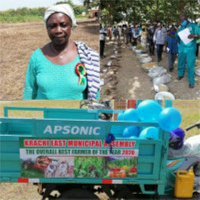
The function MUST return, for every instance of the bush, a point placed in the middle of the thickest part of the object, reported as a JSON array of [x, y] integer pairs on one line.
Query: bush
[[29, 14], [22, 15]]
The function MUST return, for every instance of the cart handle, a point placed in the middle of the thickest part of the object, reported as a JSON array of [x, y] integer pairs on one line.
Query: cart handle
[[193, 126]]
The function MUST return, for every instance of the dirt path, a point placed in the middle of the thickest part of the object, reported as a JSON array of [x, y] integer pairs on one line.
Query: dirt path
[[132, 82], [180, 88]]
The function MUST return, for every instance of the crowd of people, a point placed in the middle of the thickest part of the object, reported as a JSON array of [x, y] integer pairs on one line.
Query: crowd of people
[[158, 37]]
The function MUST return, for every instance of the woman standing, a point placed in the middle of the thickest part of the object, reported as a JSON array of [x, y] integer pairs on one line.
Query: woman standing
[[62, 69]]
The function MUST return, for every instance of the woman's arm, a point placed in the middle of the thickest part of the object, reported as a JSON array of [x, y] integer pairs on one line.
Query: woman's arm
[[30, 88]]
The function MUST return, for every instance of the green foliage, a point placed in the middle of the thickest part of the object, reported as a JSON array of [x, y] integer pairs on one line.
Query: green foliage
[[22, 15], [129, 162], [89, 167], [137, 11], [68, 2], [190, 114], [77, 8], [32, 14], [91, 3]]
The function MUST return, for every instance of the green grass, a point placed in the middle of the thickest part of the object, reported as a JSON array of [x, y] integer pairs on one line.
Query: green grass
[[42, 103], [6, 17], [28, 18], [189, 110], [20, 18], [32, 14]]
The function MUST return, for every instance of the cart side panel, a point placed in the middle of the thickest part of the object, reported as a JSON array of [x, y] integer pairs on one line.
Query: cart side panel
[[9, 160], [151, 160]]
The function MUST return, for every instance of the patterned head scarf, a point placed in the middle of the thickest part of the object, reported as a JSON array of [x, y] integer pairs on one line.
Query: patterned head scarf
[[61, 8]]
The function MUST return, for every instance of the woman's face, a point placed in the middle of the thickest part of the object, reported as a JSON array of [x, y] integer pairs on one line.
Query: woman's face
[[59, 28]]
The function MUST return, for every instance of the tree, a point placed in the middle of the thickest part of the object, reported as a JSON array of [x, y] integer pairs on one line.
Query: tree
[[139, 11], [91, 3], [77, 9], [68, 2]]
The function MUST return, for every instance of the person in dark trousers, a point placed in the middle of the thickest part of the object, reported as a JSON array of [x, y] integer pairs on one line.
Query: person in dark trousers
[[130, 34], [159, 38], [115, 33], [151, 31], [171, 47], [137, 35], [198, 38], [102, 39]]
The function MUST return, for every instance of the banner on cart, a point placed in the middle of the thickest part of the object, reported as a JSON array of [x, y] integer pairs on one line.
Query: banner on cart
[[77, 158]]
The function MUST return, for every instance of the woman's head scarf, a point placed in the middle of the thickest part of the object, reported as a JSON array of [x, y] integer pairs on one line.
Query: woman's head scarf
[[61, 8]]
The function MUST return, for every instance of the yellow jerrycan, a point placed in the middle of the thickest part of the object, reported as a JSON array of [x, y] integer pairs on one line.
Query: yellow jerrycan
[[184, 184]]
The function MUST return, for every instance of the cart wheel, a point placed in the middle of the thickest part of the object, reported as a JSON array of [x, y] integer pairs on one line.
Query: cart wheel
[[196, 196], [149, 197], [77, 194]]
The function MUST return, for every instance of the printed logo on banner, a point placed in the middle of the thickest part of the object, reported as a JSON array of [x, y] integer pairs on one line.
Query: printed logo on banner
[[77, 158], [73, 130]]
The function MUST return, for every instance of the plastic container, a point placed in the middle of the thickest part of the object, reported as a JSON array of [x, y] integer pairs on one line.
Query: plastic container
[[184, 184], [164, 95]]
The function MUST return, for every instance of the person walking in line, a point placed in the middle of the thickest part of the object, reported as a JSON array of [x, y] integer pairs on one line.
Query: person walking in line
[[124, 27], [127, 34], [120, 31], [136, 35], [198, 39], [150, 42], [144, 37], [115, 32], [133, 35], [109, 33], [102, 38], [159, 39], [171, 47], [130, 34]]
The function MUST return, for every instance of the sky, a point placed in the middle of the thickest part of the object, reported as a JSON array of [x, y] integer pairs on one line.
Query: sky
[[14, 4]]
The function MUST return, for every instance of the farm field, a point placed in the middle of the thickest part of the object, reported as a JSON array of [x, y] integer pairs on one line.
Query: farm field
[[19, 40]]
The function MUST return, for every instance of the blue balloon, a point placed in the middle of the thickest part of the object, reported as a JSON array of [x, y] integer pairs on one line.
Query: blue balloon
[[118, 129], [120, 116], [170, 119], [149, 133], [130, 115], [149, 111], [131, 131]]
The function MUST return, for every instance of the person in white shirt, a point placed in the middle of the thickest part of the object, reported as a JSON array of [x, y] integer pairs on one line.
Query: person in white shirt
[[102, 38], [159, 39]]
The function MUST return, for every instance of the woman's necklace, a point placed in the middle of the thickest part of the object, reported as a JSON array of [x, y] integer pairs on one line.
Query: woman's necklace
[[60, 54]]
